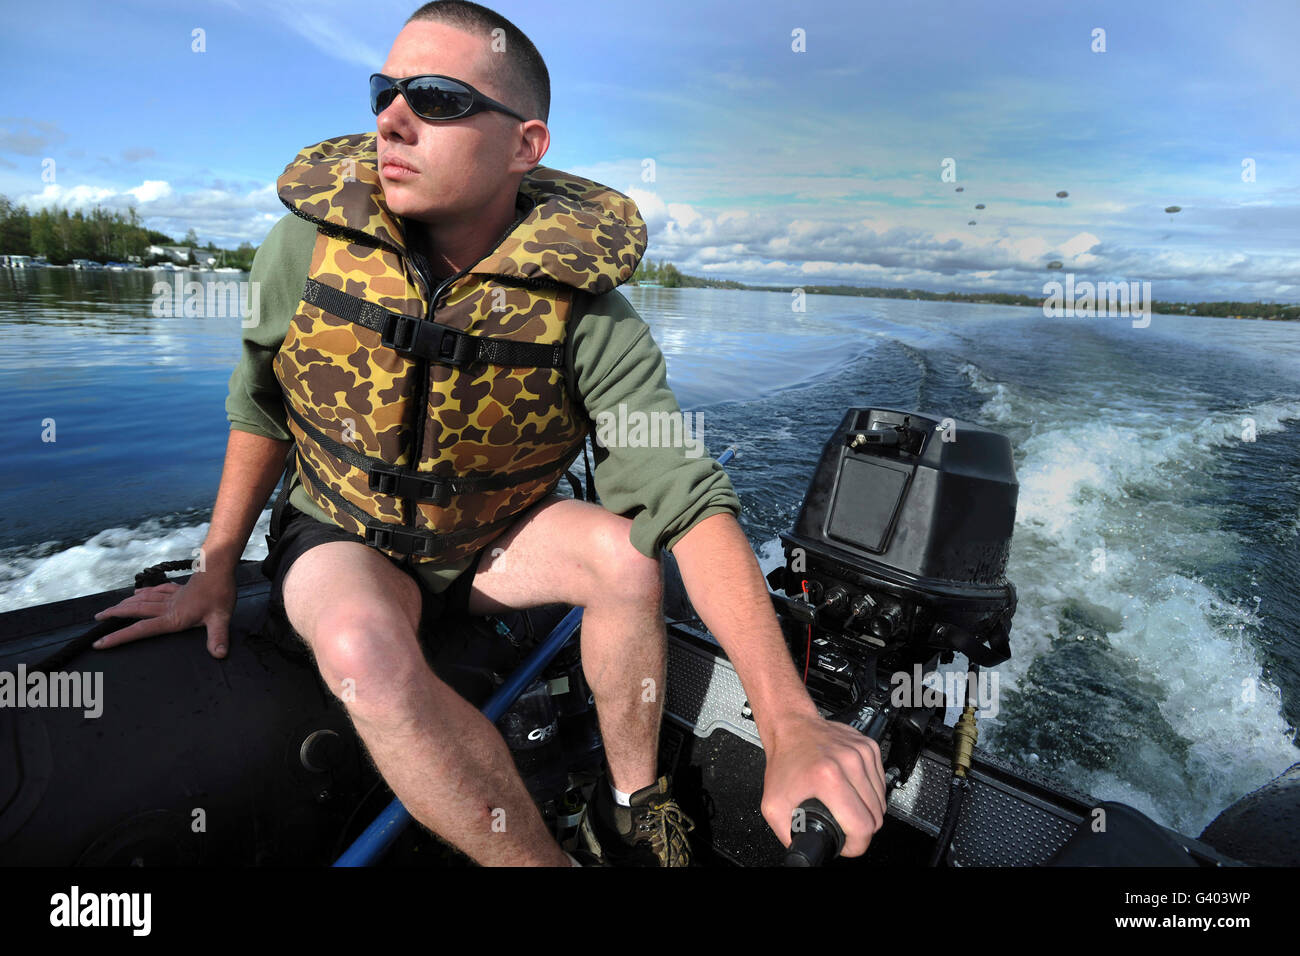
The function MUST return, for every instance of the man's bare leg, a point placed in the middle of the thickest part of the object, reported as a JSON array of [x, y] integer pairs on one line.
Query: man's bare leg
[[443, 759], [579, 553]]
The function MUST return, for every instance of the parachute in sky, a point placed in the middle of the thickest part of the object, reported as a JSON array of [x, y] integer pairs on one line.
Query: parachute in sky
[[1062, 194], [961, 189], [979, 205], [971, 223], [1055, 264], [1173, 209]]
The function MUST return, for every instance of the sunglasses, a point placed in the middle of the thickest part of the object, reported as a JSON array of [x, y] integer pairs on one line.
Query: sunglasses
[[433, 97]]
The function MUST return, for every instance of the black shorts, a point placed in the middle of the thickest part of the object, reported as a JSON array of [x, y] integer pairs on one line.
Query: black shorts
[[301, 532]]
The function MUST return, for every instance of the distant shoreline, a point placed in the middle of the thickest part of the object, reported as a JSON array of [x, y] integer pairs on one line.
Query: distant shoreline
[[1267, 311], [124, 267], [1264, 311]]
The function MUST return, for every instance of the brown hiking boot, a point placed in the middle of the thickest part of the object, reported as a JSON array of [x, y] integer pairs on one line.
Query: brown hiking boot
[[650, 832]]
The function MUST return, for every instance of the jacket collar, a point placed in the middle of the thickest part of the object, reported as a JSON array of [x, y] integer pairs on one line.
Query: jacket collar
[[578, 232]]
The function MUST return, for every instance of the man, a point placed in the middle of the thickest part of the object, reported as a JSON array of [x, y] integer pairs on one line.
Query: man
[[450, 209]]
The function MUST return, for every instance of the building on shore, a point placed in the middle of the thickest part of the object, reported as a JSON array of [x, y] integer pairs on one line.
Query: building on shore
[[177, 254]]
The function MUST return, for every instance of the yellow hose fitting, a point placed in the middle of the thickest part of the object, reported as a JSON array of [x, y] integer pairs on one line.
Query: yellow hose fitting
[[964, 734]]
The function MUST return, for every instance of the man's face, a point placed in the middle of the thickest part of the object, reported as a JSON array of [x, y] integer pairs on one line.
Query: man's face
[[443, 170]]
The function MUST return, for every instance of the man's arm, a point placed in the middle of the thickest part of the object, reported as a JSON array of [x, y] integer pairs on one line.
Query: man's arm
[[725, 585], [253, 466], [807, 756], [665, 484], [259, 437]]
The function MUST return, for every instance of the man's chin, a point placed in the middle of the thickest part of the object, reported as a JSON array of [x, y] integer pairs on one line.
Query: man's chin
[[401, 203]]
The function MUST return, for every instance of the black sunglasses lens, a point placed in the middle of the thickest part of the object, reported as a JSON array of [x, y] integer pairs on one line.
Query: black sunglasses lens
[[382, 92], [436, 98]]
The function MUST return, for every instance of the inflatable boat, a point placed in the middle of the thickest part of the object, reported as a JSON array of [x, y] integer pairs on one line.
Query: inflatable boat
[[157, 754]]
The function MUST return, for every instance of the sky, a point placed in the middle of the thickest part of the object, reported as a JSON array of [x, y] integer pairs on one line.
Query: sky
[[771, 142]]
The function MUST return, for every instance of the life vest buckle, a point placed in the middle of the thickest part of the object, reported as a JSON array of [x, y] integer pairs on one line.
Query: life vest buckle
[[391, 480], [386, 537], [427, 340]]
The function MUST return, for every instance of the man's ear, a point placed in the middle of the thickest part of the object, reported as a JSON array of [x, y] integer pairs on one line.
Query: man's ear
[[534, 141]]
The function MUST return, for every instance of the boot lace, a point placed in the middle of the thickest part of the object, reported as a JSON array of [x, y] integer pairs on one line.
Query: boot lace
[[667, 826]]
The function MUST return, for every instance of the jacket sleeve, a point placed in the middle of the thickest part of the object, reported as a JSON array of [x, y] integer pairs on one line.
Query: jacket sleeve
[[651, 461], [254, 402]]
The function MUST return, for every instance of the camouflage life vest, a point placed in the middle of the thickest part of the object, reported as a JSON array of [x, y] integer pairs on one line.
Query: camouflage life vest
[[426, 419]]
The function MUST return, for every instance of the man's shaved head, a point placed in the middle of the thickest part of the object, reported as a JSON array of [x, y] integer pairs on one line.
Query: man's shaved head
[[520, 72]]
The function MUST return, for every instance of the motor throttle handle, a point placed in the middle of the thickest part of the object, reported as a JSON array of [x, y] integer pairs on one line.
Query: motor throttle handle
[[820, 839]]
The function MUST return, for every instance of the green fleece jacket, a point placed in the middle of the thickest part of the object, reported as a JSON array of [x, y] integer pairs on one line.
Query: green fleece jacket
[[610, 355]]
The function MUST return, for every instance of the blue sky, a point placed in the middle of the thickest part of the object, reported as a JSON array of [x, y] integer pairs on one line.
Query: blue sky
[[771, 166]]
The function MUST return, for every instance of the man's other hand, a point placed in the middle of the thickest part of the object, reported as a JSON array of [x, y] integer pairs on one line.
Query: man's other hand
[[207, 598]]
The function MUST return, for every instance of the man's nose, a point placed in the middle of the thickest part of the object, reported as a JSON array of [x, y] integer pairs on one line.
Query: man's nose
[[395, 121]]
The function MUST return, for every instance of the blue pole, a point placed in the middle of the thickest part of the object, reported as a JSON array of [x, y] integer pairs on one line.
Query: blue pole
[[379, 836], [527, 672], [375, 840]]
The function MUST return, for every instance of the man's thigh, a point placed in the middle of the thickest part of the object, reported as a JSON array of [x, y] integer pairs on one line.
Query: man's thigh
[[552, 554]]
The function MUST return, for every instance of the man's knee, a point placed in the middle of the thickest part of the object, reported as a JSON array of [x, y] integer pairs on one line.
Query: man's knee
[[373, 663], [623, 573]]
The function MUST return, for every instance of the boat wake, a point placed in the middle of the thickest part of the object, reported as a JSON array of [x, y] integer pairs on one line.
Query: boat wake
[[1134, 673], [110, 559]]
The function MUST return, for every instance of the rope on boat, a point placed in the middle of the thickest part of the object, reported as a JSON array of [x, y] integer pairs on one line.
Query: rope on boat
[[148, 578]]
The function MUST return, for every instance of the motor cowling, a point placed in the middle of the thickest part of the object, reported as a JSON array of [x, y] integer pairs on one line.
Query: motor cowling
[[899, 553]]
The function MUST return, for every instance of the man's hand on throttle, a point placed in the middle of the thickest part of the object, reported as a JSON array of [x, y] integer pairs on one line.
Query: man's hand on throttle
[[813, 757]]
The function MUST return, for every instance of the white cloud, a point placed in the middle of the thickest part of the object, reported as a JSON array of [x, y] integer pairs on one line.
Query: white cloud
[[1024, 249], [150, 190], [1080, 244], [78, 196], [682, 214], [653, 209], [767, 245]]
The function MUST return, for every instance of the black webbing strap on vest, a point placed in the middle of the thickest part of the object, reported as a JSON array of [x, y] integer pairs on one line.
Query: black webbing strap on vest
[[282, 499], [590, 491], [401, 482], [431, 340], [395, 537]]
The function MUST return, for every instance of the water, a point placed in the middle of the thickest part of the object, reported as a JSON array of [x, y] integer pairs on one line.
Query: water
[[1157, 642], [137, 404]]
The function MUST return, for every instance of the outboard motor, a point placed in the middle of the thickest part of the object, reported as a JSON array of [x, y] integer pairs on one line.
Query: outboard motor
[[897, 562]]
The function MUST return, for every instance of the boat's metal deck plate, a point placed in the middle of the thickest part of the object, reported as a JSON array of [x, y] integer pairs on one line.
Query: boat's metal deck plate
[[1001, 824]]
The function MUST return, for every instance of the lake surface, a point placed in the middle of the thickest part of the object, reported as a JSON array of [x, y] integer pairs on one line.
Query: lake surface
[[1167, 677]]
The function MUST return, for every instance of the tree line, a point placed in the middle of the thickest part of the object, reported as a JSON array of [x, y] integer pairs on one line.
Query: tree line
[[667, 275], [102, 235]]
